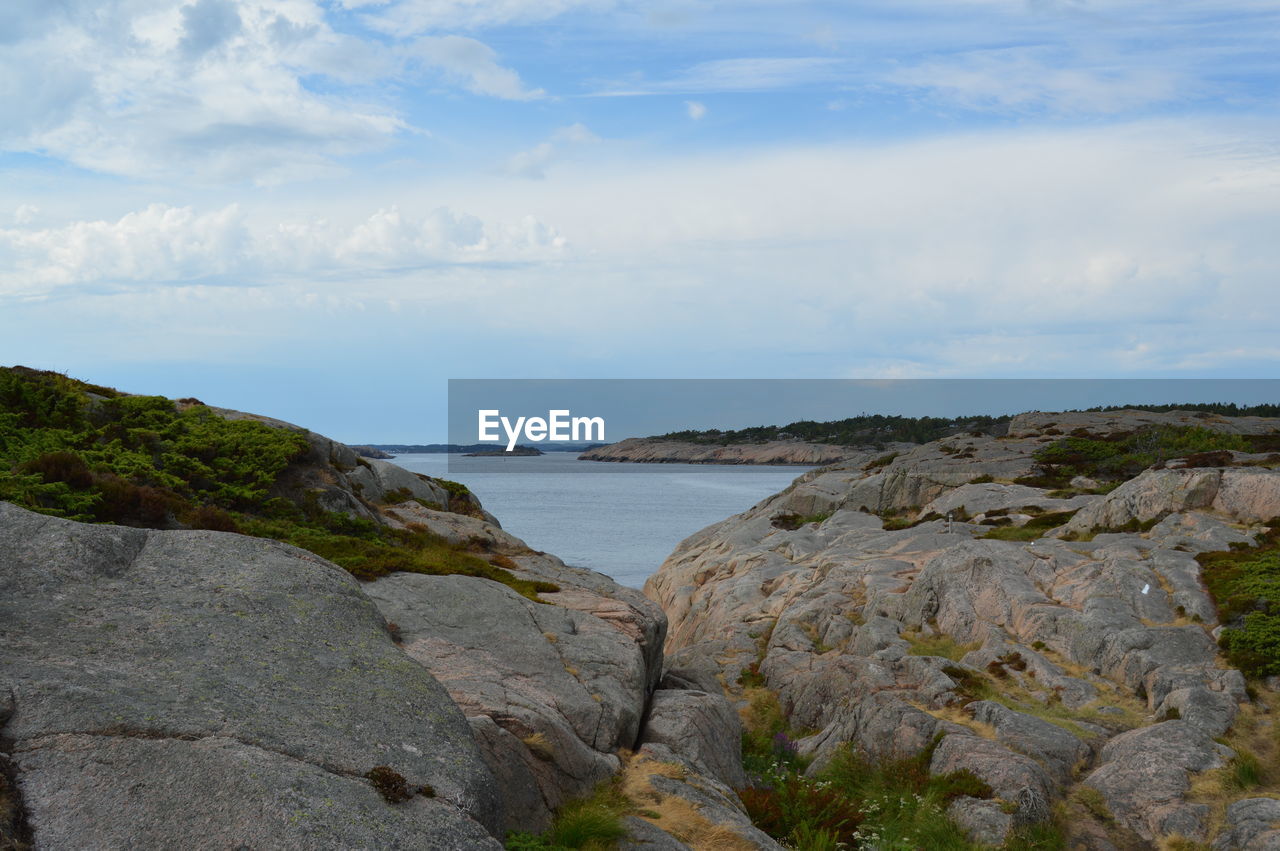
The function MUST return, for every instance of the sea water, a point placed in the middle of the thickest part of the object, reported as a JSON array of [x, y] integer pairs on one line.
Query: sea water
[[620, 519]]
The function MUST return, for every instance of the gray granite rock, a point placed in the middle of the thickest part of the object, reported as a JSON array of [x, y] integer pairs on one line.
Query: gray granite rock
[[849, 622], [702, 728], [169, 686], [1253, 824]]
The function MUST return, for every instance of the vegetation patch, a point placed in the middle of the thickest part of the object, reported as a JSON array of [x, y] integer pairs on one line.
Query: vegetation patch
[[866, 430], [88, 453], [856, 802], [943, 646], [791, 521], [1123, 455], [134, 460], [592, 823], [392, 786], [1032, 529], [1245, 585], [998, 685]]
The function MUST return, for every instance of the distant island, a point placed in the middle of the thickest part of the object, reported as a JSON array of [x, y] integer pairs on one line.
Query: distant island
[[810, 443], [505, 453], [475, 448]]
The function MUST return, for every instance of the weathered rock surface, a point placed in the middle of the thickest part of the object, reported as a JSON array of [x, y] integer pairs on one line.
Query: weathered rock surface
[[175, 689], [1252, 825], [1103, 423], [552, 691], [1048, 650], [1246, 494], [1143, 778], [699, 810], [702, 728]]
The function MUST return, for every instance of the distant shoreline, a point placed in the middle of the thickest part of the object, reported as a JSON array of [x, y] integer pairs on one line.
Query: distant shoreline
[[472, 448]]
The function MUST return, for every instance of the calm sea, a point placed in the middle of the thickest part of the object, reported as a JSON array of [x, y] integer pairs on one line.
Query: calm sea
[[619, 519]]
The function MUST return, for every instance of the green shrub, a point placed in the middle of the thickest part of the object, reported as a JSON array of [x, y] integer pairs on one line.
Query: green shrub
[[88, 453], [943, 646], [594, 822], [1245, 585], [791, 521], [1032, 529], [856, 801], [1121, 456], [1245, 772]]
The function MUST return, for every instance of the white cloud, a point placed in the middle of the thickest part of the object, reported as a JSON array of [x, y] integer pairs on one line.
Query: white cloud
[[215, 90], [533, 163], [1148, 246], [402, 17], [161, 246], [695, 109], [475, 63], [206, 24], [1039, 79], [754, 74]]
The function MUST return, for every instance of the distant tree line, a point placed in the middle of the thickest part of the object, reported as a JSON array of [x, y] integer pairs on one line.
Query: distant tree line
[[879, 429], [865, 430], [1226, 409]]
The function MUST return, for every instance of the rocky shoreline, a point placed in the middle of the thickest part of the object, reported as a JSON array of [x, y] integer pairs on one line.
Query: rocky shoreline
[[649, 450], [194, 688], [1051, 645], [1077, 670]]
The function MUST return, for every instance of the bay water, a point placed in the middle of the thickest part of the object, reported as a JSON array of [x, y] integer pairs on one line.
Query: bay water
[[622, 520]]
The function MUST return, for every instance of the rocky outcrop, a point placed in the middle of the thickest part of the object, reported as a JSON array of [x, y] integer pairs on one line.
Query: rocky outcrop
[[1253, 824], [335, 477], [552, 691], [1104, 423], [137, 659], [1245, 494], [173, 689], [649, 450], [1084, 658], [698, 810], [703, 728]]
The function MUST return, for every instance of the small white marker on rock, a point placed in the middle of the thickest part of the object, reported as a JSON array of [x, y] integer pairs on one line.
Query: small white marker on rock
[[1146, 588]]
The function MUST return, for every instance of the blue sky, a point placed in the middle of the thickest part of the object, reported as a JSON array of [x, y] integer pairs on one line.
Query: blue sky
[[323, 209]]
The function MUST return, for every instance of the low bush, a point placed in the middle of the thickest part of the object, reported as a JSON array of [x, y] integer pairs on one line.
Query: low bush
[[88, 453], [857, 801], [592, 823], [1123, 455], [1245, 585], [1033, 529]]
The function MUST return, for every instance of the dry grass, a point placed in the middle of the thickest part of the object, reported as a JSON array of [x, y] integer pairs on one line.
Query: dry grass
[[1178, 842], [958, 715], [540, 746], [1092, 801], [676, 816], [943, 646], [1255, 773]]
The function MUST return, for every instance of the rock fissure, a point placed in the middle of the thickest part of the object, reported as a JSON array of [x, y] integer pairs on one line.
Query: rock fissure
[[15, 828]]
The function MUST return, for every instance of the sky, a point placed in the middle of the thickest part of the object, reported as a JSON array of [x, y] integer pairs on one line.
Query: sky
[[321, 210]]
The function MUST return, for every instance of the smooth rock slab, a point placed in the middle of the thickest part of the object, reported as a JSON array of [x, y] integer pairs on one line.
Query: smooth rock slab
[[121, 792], [180, 663], [703, 728], [564, 689]]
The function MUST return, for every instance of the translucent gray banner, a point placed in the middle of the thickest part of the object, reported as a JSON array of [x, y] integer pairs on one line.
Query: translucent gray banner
[[536, 426]]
